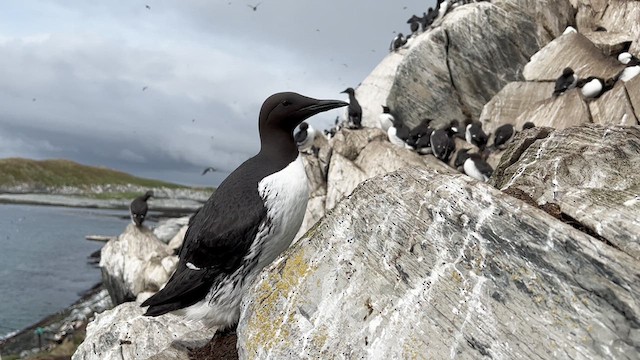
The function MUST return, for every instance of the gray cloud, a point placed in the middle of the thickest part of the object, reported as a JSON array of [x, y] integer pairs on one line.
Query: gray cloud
[[72, 78]]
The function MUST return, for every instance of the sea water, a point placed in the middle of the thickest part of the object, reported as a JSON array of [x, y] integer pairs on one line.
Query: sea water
[[43, 259]]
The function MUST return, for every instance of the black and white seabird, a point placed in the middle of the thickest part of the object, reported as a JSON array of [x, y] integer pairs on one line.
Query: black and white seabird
[[503, 134], [475, 135], [455, 130], [354, 110], [398, 134], [528, 125], [626, 58], [593, 86], [414, 23], [442, 145], [419, 131], [304, 137], [461, 157], [138, 208], [248, 221], [423, 144], [565, 82], [386, 119], [397, 42], [632, 68], [476, 167]]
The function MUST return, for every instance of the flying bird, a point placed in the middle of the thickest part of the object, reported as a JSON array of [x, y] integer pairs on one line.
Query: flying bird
[[138, 208], [254, 7], [144, 88], [210, 168], [148, 7], [249, 220]]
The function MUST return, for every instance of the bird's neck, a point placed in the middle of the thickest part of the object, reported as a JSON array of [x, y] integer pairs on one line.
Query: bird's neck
[[279, 145]]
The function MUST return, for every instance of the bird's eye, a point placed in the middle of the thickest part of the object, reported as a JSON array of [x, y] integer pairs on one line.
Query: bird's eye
[[286, 102]]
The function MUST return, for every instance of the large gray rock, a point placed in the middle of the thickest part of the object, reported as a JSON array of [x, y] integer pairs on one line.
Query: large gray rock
[[610, 43], [571, 50], [452, 71], [591, 173], [168, 228], [618, 16], [124, 333], [135, 262], [633, 91], [514, 99], [558, 112], [613, 108], [417, 264]]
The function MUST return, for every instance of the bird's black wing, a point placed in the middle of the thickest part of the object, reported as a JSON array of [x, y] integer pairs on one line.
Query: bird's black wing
[[503, 133], [484, 167], [218, 238]]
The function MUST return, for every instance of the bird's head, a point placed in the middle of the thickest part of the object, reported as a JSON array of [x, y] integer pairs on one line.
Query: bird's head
[[567, 71], [349, 91], [286, 110], [148, 194], [385, 109], [304, 126]]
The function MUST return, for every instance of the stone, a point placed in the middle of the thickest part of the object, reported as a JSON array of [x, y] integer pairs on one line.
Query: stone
[[124, 333], [610, 43], [514, 99], [571, 50], [633, 91], [558, 112], [591, 173], [551, 16], [315, 210], [134, 262], [345, 176], [349, 143], [613, 108], [416, 264], [178, 239], [167, 229], [453, 70], [617, 16]]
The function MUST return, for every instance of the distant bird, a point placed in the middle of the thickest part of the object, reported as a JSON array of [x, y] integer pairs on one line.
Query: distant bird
[[593, 86], [528, 125], [148, 7], [386, 119], [455, 130], [476, 167], [419, 131], [354, 110], [565, 82], [249, 220], [397, 42], [254, 7], [144, 88], [442, 7], [626, 58], [442, 145], [475, 135], [138, 208], [210, 168], [600, 28], [304, 137], [503, 135], [414, 23], [569, 30]]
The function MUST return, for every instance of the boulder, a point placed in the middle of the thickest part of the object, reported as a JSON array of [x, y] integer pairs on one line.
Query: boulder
[[610, 43], [570, 50], [124, 333], [514, 99], [558, 112], [420, 264], [617, 16], [633, 91], [591, 173], [613, 108], [453, 70], [168, 228], [134, 262]]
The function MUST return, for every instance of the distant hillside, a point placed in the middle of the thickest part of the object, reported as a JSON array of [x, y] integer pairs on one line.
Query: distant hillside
[[17, 173]]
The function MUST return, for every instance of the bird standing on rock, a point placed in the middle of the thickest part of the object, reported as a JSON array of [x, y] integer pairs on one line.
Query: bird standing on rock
[[354, 110], [138, 208], [565, 82], [248, 221]]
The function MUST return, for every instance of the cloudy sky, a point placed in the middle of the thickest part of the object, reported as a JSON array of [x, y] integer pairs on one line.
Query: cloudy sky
[[165, 91]]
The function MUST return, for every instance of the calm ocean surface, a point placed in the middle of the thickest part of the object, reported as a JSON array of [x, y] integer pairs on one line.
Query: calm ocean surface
[[43, 258]]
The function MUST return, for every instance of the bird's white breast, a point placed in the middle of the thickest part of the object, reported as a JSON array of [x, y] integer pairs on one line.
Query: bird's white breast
[[395, 140], [592, 88], [629, 73], [285, 194], [471, 169], [386, 121], [308, 141]]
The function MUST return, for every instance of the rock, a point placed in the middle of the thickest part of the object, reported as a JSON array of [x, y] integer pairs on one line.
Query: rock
[[511, 101], [452, 71], [374, 90], [167, 229], [613, 108], [591, 173], [349, 143], [633, 90], [610, 43], [570, 50], [417, 264], [135, 262], [345, 176], [552, 17], [617, 16], [124, 333], [557, 112], [178, 239]]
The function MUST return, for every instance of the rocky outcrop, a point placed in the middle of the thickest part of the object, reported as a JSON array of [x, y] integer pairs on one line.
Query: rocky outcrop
[[591, 173], [124, 333], [452, 71], [462, 270], [616, 16], [135, 262], [167, 229]]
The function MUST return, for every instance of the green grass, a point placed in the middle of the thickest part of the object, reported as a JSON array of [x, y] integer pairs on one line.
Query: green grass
[[59, 173]]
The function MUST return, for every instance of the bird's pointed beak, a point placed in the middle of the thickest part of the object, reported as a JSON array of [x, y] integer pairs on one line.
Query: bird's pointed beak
[[319, 106]]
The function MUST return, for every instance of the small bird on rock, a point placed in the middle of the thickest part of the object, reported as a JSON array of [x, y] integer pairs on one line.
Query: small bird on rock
[[138, 208]]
